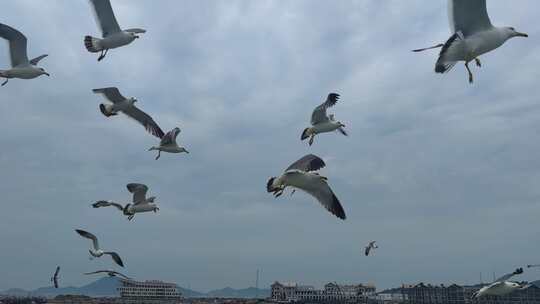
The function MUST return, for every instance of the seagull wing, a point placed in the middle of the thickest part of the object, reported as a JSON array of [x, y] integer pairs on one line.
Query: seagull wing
[[144, 119], [105, 17], [90, 236], [17, 44], [366, 252], [99, 204], [57, 271], [506, 277], [112, 94], [115, 257], [35, 61], [307, 163], [139, 192], [319, 114], [170, 137], [468, 16], [318, 188]]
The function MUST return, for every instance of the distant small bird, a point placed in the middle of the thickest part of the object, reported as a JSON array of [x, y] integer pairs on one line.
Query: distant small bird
[[473, 35], [96, 252], [21, 67], [533, 265], [110, 273], [321, 122], [300, 175], [127, 106], [140, 202], [54, 278], [111, 33], [168, 143], [369, 247], [500, 286]]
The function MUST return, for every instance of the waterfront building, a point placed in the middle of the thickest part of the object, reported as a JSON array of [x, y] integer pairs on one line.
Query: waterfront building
[[456, 294], [149, 292], [332, 293]]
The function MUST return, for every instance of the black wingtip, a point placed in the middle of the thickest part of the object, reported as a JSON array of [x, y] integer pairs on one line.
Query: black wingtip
[[304, 134], [269, 185], [338, 209]]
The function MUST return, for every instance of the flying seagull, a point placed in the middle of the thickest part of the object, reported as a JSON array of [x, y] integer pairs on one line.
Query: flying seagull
[[472, 35], [369, 247], [301, 175], [127, 106], [140, 202], [96, 252], [168, 143], [112, 35], [500, 286], [21, 67], [321, 122], [54, 278], [110, 273]]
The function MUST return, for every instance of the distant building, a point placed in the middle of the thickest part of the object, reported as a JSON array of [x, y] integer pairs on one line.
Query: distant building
[[456, 294], [332, 292], [149, 292]]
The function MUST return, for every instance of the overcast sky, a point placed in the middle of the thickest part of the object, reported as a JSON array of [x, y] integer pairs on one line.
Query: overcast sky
[[443, 174]]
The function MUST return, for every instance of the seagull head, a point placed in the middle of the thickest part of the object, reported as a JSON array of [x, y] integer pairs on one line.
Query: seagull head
[[133, 100], [511, 32]]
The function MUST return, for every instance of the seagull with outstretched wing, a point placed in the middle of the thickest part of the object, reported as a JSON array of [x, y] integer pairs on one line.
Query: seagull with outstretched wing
[[96, 252], [301, 175], [112, 35], [370, 247], [168, 143], [321, 122], [472, 35], [140, 202], [21, 67], [119, 103], [500, 286], [110, 273]]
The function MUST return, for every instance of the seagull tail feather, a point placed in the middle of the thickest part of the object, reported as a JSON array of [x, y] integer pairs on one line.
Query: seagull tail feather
[[107, 112], [92, 44]]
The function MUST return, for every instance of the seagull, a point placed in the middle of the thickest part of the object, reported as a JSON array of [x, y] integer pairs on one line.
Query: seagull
[[126, 106], [96, 252], [21, 67], [472, 35], [140, 202], [321, 122], [110, 273], [500, 286], [369, 247], [300, 175], [168, 143], [54, 278], [112, 35]]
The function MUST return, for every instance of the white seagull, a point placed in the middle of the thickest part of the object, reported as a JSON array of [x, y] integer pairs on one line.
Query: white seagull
[[369, 247], [472, 35], [112, 35], [168, 143], [140, 202], [500, 286], [300, 175], [127, 106], [321, 122], [110, 273], [21, 67], [96, 252]]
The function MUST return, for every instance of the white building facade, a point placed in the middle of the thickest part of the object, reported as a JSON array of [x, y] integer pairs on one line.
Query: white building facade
[[332, 292]]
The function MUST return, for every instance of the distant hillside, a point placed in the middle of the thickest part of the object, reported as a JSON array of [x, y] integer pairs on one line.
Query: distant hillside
[[107, 286]]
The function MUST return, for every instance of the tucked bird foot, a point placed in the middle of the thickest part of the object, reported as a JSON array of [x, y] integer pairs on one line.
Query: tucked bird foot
[[158, 155], [311, 140], [4, 83], [478, 63]]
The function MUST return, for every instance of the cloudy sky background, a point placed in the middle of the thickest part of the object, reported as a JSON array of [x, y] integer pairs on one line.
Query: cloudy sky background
[[443, 174]]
